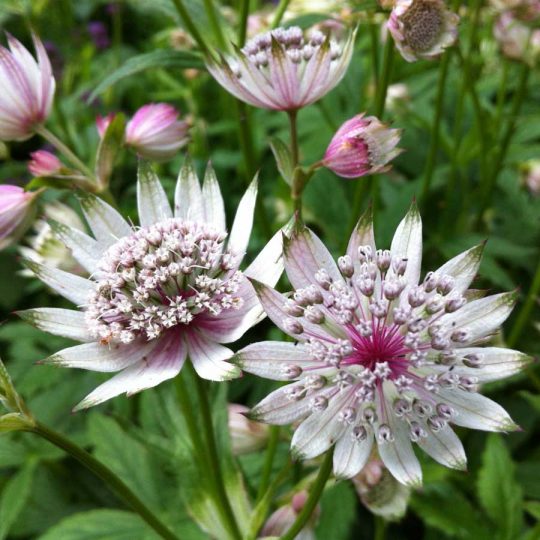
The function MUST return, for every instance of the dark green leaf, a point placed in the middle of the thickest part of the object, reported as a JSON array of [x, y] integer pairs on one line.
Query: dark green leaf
[[283, 158], [108, 149]]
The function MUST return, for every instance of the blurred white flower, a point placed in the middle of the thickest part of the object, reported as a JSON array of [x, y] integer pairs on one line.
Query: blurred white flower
[[518, 38], [246, 435], [530, 176]]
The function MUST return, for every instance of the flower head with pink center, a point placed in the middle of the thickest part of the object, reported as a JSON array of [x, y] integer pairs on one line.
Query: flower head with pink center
[[159, 293], [284, 69], [382, 356], [26, 89], [362, 145], [422, 29]]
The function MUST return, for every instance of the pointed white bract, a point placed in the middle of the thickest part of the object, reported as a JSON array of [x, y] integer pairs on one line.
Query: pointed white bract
[[168, 290], [383, 358], [422, 29], [284, 69]]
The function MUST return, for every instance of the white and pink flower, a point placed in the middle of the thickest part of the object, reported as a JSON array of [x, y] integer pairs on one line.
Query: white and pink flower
[[154, 131], [284, 69], [16, 209], [246, 435], [518, 37], [159, 293], [26, 89], [362, 145], [382, 356], [44, 163], [422, 29]]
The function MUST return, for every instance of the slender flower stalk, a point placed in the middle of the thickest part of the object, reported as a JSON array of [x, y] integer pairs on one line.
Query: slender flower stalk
[[280, 11], [157, 294], [105, 474], [314, 497], [190, 25], [382, 357]]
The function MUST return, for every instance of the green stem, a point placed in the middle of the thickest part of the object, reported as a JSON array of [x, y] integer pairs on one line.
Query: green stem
[[108, 476], [190, 25], [491, 180], [268, 462], [374, 48], [214, 23], [380, 528], [213, 456], [382, 86], [63, 149], [314, 497], [242, 29], [435, 130], [501, 96], [359, 194], [526, 310], [283, 5], [246, 144], [296, 188]]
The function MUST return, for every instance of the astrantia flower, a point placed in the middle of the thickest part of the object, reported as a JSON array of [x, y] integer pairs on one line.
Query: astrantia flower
[[154, 131], [26, 89], [43, 163], [362, 145], [16, 206], [159, 293], [422, 29], [381, 356], [283, 69]]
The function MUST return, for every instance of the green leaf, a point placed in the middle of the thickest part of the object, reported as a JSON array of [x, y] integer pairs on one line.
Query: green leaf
[[100, 525], [109, 147], [443, 507], [14, 496], [533, 508], [128, 458], [163, 58], [498, 491], [283, 157], [14, 422], [338, 512]]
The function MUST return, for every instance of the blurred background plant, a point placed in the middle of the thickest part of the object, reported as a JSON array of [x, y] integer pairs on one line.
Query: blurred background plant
[[471, 141]]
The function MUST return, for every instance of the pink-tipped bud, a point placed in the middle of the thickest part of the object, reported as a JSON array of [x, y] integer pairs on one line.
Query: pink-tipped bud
[[26, 89], [15, 212], [155, 132], [380, 492], [362, 145], [422, 29], [102, 123], [246, 435], [44, 163], [282, 519], [530, 176]]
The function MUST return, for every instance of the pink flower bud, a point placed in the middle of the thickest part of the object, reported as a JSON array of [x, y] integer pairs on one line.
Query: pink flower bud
[[155, 131], [102, 123], [15, 209], [26, 89], [422, 29], [44, 163], [246, 435], [282, 519], [362, 145]]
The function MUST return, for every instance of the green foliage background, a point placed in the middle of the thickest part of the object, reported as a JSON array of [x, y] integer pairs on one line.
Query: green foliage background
[[45, 495]]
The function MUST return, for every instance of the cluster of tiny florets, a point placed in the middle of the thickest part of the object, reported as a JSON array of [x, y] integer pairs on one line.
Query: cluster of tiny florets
[[159, 277], [382, 329], [297, 47], [423, 23]]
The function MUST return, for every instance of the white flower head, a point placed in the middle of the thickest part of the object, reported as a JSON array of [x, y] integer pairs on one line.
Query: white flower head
[[159, 293], [284, 69], [382, 357]]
